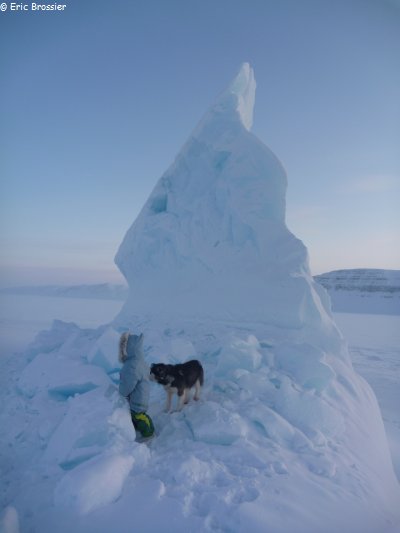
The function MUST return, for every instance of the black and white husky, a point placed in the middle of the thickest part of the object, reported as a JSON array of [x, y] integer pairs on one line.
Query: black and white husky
[[179, 379]]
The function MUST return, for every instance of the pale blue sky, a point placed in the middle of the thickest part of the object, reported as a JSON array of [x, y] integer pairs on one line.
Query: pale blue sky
[[97, 100]]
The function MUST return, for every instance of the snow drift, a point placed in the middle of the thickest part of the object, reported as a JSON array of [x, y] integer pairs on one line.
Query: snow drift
[[287, 437]]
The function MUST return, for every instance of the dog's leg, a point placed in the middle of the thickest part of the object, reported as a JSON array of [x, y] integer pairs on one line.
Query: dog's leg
[[181, 399], [197, 390], [169, 400], [186, 395]]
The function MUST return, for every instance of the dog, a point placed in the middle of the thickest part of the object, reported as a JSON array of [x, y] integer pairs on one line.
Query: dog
[[179, 379]]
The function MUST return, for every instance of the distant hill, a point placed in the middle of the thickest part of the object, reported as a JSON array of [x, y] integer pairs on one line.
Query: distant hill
[[102, 291], [363, 290]]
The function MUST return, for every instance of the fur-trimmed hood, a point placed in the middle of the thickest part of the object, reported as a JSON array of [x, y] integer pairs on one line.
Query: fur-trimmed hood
[[123, 343], [130, 346]]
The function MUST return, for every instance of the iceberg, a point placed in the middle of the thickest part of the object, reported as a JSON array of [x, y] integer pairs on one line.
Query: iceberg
[[211, 241]]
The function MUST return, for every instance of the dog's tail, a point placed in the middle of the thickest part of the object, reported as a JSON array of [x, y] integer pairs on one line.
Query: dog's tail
[[123, 343]]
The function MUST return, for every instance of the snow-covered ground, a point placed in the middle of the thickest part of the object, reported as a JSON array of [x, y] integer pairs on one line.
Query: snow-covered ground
[[200, 481], [374, 343]]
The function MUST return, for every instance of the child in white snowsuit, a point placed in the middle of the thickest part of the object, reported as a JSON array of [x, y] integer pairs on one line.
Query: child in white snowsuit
[[134, 381]]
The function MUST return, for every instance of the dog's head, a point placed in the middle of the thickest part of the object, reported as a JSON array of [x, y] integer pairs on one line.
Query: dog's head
[[160, 373]]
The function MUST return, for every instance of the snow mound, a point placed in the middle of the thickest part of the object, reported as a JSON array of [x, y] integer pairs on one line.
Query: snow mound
[[261, 439], [49, 340], [239, 355], [206, 418], [104, 352], [97, 483], [83, 431], [59, 376]]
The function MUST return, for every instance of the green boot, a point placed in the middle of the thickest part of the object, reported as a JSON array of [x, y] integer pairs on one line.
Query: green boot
[[143, 423]]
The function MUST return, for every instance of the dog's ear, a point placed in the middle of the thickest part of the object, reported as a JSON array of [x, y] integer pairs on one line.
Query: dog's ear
[[152, 366]]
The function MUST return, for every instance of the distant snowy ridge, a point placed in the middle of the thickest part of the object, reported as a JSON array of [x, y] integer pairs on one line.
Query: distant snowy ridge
[[363, 290], [362, 280], [101, 291]]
